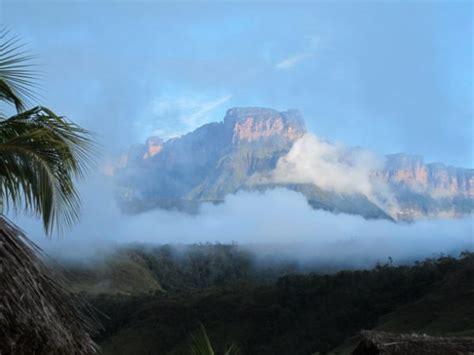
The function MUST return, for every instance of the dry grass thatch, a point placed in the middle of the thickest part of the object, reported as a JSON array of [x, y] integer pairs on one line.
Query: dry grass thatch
[[382, 343], [38, 315]]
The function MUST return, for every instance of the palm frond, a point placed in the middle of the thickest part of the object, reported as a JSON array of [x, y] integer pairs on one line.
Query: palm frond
[[201, 344], [17, 79], [231, 350], [41, 156]]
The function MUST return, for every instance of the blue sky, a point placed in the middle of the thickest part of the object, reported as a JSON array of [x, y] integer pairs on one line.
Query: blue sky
[[390, 76]]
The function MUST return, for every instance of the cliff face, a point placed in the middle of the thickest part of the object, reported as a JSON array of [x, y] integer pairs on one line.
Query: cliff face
[[221, 158], [411, 171], [260, 124], [154, 145], [427, 190]]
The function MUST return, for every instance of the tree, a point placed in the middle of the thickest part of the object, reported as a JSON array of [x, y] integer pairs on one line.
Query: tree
[[41, 156]]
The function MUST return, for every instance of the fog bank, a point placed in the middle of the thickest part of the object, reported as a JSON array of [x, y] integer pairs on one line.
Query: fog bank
[[277, 223]]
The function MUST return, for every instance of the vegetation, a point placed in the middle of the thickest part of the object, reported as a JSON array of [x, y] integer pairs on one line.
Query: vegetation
[[137, 269], [202, 345], [41, 155], [275, 308]]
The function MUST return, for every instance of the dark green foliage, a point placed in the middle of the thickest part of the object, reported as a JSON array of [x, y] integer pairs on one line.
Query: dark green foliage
[[174, 269], [298, 314]]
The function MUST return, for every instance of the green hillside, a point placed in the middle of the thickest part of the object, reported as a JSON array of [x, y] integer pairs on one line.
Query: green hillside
[[125, 272]]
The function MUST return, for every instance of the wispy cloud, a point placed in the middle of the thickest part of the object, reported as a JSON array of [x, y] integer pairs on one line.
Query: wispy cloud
[[313, 44], [203, 108], [176, 115], [292, 60]]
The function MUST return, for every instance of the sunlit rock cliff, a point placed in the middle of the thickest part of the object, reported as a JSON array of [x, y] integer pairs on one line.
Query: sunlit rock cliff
[[411, 171]]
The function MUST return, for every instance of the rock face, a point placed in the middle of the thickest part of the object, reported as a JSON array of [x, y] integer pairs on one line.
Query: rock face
[[428, 190], [411, 171], [221, 158], [154, 146], [262, 125]]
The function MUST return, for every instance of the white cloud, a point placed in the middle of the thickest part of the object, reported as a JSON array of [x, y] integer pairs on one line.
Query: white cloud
[[333, 167], [195, 118], [329, 166]]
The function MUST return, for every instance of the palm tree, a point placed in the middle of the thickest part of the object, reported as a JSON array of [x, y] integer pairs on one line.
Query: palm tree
[[41, 155]]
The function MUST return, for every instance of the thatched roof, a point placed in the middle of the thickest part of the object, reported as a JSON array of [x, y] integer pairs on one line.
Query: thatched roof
[[38, 315], [382, 343]]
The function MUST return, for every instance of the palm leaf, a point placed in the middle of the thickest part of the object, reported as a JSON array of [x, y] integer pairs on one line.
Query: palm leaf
[[17, 79], [201, 344], [231, 350], [41, 156]]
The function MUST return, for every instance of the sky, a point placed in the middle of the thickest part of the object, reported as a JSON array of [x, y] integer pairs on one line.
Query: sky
[[389, 76]]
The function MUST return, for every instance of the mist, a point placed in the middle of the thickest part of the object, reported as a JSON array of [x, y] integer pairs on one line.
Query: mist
[[334, 167], [277, 223], [345, 170]]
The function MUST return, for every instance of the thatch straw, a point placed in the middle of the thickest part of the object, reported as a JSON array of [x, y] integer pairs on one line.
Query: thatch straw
[[38, 315], [382, 343]]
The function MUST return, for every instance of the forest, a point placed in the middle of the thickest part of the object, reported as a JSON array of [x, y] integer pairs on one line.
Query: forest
[[152, 300]]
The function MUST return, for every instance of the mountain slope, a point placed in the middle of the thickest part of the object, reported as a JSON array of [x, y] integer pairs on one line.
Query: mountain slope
[[124, 272]]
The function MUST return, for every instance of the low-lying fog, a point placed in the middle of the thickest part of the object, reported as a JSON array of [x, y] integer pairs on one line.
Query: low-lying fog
[[276, 223]]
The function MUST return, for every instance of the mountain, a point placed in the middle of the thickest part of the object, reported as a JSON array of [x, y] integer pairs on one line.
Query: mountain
[[247, 150]]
